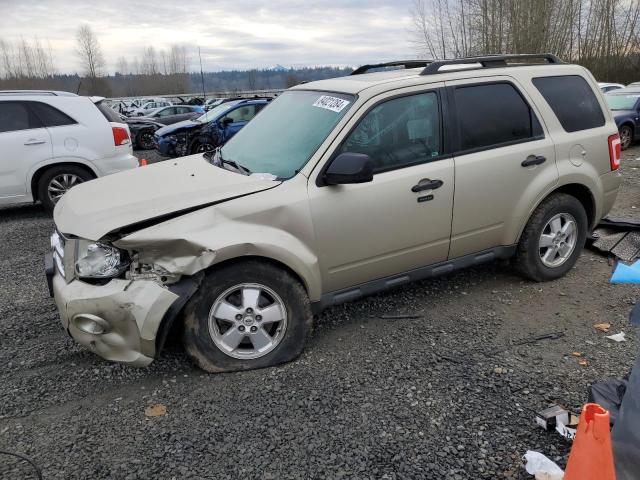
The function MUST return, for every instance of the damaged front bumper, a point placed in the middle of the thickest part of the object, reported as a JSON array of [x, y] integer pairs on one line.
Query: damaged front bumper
[[120, 320]]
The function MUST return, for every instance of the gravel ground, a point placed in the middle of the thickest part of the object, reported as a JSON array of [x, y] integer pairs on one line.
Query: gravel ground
[[444, 393]]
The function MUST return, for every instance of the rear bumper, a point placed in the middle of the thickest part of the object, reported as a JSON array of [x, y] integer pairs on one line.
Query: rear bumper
[[129, 313], [117, 163], [610, 186]]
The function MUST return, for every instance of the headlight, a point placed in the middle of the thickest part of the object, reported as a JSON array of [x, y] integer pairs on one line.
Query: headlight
[[97, 260]]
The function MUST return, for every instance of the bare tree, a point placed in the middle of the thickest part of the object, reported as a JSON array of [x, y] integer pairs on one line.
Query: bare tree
[[600, 34], [90, 55]]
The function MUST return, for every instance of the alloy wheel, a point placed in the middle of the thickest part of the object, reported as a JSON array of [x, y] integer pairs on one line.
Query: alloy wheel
[[558, 240], [247, 321], [60, 184]]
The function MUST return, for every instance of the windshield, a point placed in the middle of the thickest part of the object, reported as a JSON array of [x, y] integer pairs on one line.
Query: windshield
[[284, 136], [621, 102], [216, 112]]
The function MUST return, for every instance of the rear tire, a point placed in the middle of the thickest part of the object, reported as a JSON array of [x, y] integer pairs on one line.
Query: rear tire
[[626, 137], [553, 238], [56, 181], [245, 316]]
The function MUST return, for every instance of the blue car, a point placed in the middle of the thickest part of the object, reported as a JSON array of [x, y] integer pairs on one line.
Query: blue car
[[625, 105], [208, 131]]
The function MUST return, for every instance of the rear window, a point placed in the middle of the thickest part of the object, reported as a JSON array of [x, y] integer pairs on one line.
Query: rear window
[[50, 116], [108, 113], [486, 122], [572, 100]]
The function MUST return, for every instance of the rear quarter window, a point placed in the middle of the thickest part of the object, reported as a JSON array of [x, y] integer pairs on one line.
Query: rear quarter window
[[50, 116], [572, 100], [109, 113]]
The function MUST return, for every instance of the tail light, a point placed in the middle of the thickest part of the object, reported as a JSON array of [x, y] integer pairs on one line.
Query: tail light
[[615, 151], [120, 136]]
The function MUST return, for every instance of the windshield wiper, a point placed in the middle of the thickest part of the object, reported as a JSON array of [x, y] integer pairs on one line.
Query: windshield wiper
[[215, 157]]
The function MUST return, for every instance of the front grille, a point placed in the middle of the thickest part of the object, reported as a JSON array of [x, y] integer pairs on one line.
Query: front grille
[[57, 245]]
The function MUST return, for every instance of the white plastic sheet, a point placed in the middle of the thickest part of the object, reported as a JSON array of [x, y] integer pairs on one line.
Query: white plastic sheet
[[542, 467]]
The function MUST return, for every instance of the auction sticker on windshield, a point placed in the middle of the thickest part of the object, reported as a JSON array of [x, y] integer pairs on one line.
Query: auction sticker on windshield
[[331, 103]]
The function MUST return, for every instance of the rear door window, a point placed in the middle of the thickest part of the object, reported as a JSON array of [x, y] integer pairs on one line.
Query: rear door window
[[50, 116], [16, 116], [493, 115], [572, 100]]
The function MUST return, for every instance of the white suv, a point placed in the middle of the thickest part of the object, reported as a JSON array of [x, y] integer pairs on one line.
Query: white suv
[[51, 141]]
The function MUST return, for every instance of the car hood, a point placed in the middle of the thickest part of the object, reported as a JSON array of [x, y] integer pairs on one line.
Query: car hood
[[624, 113], [143, 121], [149, 195], [174, 127]]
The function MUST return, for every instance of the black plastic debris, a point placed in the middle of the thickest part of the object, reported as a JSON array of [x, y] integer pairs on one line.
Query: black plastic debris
[[609, 395], [626, 431], [620, 237]]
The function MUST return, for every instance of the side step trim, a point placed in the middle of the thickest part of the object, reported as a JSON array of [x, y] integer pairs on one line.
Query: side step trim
[[380, 285]]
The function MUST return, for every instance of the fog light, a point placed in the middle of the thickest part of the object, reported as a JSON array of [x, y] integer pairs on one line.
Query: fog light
[[91, 324]]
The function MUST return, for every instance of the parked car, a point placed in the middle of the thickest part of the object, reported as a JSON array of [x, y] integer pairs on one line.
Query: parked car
[[174, 113], [147, 107], [142, 130], [625, 106], [212, 102], [51, 141], [340, 188], [634, 84], [208, 131], [609, 87]]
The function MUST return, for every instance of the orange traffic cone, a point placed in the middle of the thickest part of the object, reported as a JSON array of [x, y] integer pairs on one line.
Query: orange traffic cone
[[591, 456], [143, 162]]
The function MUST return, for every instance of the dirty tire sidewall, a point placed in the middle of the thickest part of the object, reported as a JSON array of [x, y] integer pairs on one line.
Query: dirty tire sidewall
[[51, 173], [626, 132], [143, 142], [527, 260], [197, 340]]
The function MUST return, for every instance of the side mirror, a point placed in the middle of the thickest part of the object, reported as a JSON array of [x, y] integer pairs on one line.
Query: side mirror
[[349, 168], [226, 121]]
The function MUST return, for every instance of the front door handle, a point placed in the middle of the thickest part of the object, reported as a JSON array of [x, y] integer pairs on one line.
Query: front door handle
[[427, 184], [33, 141], [533, 160]]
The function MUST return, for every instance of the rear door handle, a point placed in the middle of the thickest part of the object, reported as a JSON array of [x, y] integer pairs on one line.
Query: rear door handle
[[533, 160], [33, 141], [427, 184]]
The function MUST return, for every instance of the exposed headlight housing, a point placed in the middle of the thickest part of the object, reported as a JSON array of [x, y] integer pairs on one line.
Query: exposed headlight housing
[[97, 260]]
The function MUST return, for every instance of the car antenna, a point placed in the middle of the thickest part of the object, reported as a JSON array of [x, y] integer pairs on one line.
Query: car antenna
[[79, 85], [204, 95]]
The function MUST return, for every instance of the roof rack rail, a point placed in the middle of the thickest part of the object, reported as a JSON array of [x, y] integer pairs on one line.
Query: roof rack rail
[[489, 61], [398, 63]]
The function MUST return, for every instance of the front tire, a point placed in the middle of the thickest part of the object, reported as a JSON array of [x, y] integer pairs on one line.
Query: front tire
[[245, 316], [56, 181], [144, 140], [553, 238]]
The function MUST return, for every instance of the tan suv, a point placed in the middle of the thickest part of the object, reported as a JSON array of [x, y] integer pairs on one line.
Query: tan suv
[[340, 188]]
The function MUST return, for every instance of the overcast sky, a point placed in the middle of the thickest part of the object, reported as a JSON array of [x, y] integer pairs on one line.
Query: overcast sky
[[231, 33]]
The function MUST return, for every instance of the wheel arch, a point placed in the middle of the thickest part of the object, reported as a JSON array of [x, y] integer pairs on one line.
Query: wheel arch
[[37, 175], [577, 190], [171, 326]]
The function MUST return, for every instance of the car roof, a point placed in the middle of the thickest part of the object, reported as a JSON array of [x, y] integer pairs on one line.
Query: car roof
[[438, 71], [25, 93]]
